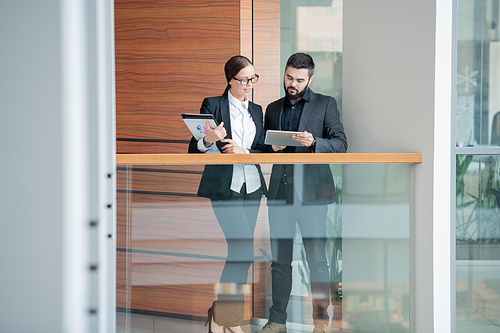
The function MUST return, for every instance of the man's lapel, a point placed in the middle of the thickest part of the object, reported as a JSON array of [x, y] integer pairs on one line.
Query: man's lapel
[[307, 111], [277, 114]]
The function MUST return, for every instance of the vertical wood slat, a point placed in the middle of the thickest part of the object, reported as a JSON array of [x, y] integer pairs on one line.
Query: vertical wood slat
[[246, 34], [266, 41], [170, 54], [266, 53]]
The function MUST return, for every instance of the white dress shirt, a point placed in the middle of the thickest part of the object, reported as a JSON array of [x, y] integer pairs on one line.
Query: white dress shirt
[[243, 133]]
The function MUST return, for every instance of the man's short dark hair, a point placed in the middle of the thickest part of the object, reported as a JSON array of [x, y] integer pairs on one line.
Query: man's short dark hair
[[301, 60]]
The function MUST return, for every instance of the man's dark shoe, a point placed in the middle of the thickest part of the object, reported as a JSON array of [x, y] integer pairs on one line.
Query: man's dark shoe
[[273, 328]]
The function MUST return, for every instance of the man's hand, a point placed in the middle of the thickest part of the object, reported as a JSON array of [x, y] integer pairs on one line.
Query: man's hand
[[278, 148], [305, 138], [215, 134]]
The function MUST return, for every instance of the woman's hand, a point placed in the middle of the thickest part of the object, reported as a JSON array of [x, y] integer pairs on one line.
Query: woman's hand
[[230, 147], [215, 134]]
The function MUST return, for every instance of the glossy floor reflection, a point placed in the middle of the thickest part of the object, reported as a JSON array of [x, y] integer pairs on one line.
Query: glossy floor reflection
[[478, 306], [137, 323]]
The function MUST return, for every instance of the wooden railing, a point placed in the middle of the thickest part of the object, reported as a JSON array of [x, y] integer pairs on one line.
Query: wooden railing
[[347, 158]]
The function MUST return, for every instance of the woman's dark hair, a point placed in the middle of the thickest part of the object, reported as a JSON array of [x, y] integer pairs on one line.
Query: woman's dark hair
[[233, 66], [301, 60]]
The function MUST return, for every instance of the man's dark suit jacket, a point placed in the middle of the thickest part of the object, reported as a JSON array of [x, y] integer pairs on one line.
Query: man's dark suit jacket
[[320, 117], [216, 180]]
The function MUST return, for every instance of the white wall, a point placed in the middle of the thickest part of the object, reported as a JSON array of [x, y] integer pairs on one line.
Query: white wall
[[56, 152], [31, 167], [389, 106]]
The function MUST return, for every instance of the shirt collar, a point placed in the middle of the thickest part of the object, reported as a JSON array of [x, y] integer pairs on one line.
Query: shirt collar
[[236, 102], [307, 95]]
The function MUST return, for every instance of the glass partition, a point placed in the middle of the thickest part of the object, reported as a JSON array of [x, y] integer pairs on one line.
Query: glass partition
[[478, 74], [477, 186], [478, 243], [315, 27], [172, 251]]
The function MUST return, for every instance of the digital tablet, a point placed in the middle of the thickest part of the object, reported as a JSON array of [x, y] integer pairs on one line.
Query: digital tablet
[[281, 138], [195, 122]]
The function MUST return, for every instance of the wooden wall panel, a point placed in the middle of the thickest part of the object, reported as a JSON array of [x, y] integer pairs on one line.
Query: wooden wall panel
[[169, 299], [170, 54], [183, 181]]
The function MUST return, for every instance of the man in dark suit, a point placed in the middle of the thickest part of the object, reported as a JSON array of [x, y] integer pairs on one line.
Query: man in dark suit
[[299, 194]]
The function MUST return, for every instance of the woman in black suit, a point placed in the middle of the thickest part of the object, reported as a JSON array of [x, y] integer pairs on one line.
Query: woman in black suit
[[235, 190]]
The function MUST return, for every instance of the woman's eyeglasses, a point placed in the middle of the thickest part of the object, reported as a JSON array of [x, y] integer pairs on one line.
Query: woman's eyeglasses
[[244, 82]]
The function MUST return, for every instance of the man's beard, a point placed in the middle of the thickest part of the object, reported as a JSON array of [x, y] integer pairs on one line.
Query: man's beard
[[295, 96]]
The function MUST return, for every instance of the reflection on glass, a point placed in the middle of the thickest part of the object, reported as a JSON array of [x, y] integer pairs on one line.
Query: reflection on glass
[[478, 243], [315, 28], [171, 253], [375, 247], [478, 73], [298, 205]]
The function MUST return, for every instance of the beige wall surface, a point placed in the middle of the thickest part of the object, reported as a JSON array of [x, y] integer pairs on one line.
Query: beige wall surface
[[388, 106]]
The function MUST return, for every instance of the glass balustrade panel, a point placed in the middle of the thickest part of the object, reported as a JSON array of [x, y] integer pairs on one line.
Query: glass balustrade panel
[[178, 252]]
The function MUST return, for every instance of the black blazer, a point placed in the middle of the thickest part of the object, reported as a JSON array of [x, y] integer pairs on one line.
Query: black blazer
[[216, 180], [320, 117]]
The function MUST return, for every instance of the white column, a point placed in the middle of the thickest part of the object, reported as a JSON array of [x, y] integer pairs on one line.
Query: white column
[[76, 167], [106, 168], [442, 183]]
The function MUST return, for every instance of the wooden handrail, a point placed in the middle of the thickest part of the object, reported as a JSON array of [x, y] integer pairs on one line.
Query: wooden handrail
[[347, 158]]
